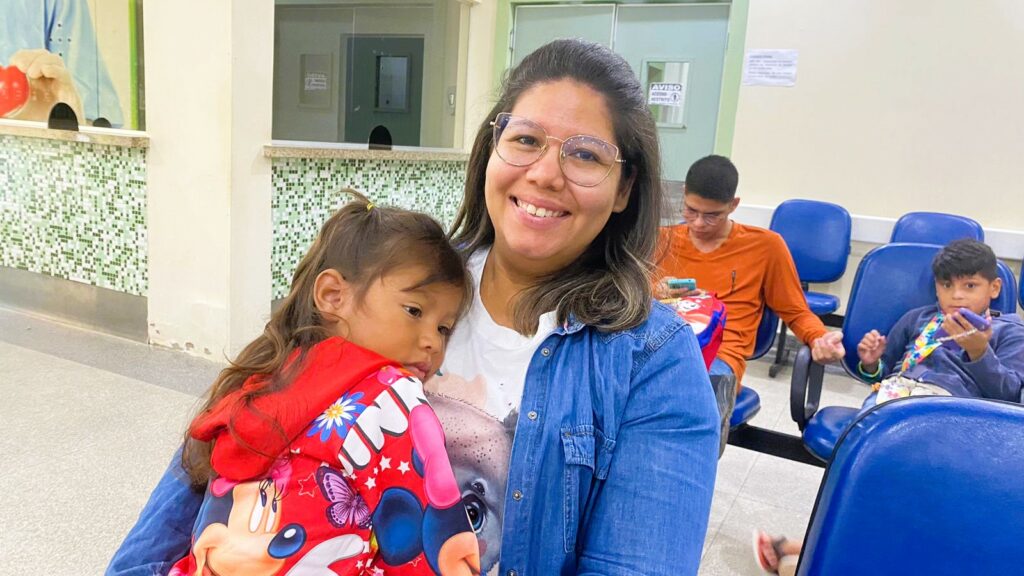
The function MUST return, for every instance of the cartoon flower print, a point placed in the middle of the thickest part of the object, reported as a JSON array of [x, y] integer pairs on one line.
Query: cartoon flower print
[[338, 417]]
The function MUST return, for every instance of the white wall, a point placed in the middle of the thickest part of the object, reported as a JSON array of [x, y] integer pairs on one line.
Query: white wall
[[898, 106], [480, 89], [208, 184]]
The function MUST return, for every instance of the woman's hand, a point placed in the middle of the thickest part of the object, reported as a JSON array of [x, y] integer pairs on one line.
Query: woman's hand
[[870, 350]]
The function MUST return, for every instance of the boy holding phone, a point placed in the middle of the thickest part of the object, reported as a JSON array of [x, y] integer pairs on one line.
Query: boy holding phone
[[746, 267], [956, 347]]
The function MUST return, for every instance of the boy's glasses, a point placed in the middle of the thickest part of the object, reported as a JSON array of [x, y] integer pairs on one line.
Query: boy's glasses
[[585, 160], [709, 218]]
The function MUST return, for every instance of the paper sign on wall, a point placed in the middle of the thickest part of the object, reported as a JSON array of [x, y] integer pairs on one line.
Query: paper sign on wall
[[770, 68], [665, 94], [316, 90], [316, 81]]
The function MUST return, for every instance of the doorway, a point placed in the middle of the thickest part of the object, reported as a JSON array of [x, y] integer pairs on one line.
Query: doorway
[[676, 50], [384, 87]]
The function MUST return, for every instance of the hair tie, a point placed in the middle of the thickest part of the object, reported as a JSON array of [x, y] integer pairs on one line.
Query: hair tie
[[369, 206]]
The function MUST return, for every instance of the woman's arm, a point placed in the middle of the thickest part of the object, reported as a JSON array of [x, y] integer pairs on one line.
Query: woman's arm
[[163, 532], [651, 513]]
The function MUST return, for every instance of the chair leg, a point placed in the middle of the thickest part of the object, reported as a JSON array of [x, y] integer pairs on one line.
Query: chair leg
[[781, 352]]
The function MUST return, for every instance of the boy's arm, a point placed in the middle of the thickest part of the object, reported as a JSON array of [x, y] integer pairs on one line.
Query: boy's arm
[[386, 477], [999, 372], [900, 336], [784, 295]]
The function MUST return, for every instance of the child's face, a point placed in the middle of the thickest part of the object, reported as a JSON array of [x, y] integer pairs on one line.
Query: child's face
[[410, 326], [974, 292]]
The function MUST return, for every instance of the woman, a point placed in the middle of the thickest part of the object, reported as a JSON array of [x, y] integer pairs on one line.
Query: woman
[[615, 444]]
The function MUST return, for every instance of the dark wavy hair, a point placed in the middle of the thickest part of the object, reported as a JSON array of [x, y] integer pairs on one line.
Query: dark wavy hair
[[363, 242], [608, 286], [965, 257]]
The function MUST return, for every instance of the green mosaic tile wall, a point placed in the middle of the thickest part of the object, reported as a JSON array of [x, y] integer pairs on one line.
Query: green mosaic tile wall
[[306, 194], [74, 211]]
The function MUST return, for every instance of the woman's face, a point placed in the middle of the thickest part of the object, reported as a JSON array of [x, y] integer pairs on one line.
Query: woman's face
[[545, 241]]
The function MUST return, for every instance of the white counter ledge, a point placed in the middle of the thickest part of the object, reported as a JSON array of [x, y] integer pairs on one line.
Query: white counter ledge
[[86, 134], [294, 149]]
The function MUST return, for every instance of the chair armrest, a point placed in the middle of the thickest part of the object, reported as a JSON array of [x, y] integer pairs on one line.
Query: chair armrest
[[805, 387]]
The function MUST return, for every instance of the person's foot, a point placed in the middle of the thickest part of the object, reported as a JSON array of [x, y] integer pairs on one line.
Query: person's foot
[[773, 553]]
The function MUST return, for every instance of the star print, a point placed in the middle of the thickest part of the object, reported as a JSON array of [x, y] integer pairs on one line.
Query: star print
[[371, 483], [359, 564], [375, 471], [385, 463], [303, 489], [378, 572], [403, 467]]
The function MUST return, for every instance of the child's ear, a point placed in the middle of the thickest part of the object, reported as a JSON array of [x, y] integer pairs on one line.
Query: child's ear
[[332, 295], [995, 289]]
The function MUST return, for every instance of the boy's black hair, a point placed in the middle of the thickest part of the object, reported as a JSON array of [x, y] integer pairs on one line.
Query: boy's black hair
[[965, 257], [713, 178]]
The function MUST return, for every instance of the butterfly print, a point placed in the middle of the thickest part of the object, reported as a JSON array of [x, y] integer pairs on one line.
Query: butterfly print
[[347, 507]]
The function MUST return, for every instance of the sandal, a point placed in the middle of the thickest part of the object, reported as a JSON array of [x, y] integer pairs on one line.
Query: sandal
[[769, 563]]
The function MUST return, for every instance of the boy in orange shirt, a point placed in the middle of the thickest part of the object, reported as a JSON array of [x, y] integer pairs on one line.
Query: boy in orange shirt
[[746, 266]]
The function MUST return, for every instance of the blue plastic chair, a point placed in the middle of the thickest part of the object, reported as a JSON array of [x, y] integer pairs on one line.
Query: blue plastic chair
[[890, 280], [1007, 300], [748, 402], [935, 228], [922, 486], [818, 237], [1020, 286]]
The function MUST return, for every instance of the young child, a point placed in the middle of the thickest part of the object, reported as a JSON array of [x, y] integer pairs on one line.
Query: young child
[[317, 448], [916, 358]]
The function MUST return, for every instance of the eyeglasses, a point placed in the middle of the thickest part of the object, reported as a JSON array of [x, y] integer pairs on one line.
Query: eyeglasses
[[585, 160], [709, 218]]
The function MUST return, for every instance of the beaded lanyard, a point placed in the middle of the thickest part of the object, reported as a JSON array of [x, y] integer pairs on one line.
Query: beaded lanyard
[[925, 344]]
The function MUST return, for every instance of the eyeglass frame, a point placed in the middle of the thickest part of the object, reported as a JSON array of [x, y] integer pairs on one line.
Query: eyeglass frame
[[561, 152], [716, 217]]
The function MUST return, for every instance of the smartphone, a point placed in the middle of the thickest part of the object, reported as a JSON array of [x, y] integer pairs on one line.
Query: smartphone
[[979, 322], [682, 283]]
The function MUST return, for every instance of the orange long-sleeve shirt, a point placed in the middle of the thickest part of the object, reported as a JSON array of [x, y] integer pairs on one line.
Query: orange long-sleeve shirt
[[751, 268]]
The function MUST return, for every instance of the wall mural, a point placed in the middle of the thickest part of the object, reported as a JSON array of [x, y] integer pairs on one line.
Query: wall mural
[[79, 52]]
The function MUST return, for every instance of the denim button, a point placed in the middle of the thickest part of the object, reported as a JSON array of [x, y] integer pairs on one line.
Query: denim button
[[517, 495], [532, 415], [511, 573], [545, 352]]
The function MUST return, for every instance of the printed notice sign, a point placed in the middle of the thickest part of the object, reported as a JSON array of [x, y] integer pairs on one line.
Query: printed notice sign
[[316, 81], [770, 68], [665, 94]]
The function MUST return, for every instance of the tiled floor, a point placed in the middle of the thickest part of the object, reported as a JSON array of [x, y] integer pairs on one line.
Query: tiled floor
[[89, 423]]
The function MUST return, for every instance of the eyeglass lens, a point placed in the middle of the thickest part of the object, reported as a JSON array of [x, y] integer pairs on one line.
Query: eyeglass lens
[[585, 160], [708, 217]]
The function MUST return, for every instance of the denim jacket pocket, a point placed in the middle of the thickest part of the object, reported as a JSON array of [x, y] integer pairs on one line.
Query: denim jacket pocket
[[587, 457]]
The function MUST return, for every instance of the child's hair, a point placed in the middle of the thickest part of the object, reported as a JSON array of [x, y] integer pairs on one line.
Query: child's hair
[[363, 242], [965, 257], [714, 178]]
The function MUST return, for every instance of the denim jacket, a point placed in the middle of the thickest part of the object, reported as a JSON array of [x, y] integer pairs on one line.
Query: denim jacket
[[612, 468]]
